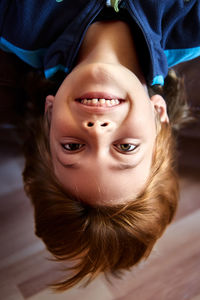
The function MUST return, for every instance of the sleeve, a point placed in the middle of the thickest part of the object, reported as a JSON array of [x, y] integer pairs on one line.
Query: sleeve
[[181, 35]]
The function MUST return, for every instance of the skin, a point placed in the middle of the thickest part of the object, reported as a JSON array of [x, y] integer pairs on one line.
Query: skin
[[114, 145]]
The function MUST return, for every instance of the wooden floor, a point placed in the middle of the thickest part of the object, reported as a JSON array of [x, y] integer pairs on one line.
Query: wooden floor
[[171, 273]]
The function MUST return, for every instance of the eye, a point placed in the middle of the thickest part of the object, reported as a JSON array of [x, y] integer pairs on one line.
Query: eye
[[72, 146], [126, 147]]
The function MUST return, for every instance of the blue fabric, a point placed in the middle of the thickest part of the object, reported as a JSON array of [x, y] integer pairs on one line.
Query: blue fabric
[[52, 71], [47, 34], [31, 57], [175, 56], [158, 80]]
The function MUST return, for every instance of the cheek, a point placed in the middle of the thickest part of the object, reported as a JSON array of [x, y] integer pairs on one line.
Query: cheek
[[140, 128], [62, 122]]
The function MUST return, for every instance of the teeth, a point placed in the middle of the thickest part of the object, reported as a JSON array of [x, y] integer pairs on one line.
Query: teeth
[[100, 102], [108, 102], [112, 102]]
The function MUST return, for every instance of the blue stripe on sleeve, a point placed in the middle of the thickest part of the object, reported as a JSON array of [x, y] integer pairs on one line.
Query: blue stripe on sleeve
[[51, 71], [175, 56], [158, 80], [31, 57]]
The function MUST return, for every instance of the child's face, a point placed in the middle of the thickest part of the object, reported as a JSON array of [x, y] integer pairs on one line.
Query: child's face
[[102, 154]]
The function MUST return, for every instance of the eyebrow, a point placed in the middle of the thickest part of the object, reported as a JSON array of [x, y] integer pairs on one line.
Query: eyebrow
[[120, 166], [70, 166], [123, 166]]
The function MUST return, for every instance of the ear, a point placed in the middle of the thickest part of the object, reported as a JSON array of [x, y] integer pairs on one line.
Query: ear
[[161, 107], [49, 103]]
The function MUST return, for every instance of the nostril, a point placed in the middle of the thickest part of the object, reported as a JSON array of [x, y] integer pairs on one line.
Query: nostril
[[104, 124], [90, 124]]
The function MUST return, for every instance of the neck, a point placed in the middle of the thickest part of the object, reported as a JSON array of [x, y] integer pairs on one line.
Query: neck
[[110, 42]]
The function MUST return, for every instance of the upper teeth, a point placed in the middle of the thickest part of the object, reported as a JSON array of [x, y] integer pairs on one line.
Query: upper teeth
[[100, 102]]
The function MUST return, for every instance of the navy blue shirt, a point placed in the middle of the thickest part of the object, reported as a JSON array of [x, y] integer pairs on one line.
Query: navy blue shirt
[[47, 34]]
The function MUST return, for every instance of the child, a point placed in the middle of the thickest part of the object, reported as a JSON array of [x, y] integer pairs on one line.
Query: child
[[101, 177]]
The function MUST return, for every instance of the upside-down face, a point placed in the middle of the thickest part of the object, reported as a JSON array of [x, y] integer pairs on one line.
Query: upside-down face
[[103, 132]]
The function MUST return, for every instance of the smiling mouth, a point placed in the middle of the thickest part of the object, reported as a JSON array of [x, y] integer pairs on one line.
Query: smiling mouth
[[99, 102]]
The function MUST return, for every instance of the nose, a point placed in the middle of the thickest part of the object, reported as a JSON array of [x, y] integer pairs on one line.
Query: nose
[[98, 126]]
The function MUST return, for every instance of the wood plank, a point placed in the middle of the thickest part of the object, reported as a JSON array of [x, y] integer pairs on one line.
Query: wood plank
[[173, 271], [197, 297], [97, 290], [9, 291]]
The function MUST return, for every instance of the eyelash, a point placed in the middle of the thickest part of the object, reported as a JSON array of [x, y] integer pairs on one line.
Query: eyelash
[[67, 144], [116, 146], [127, 144]]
